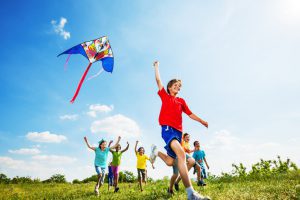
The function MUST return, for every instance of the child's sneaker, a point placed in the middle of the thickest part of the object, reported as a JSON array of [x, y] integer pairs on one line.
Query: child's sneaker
[[201, 183], [154, 153], [197, 196], [97, 190], [176, 186]]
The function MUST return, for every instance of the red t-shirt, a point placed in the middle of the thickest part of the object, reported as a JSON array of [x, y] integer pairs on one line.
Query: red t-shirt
[[171, 110]]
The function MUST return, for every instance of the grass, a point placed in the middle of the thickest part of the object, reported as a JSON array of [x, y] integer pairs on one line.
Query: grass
[[273, 188]]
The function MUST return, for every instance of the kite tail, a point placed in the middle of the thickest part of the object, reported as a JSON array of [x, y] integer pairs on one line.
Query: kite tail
[[98, 73], [66, 64], [80, 83]]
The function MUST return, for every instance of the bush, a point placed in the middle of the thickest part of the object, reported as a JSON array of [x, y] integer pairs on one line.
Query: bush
[[56, 178]]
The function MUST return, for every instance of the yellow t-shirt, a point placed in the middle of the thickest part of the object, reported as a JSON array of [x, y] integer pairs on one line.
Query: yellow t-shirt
[[186, 146], [141, 161]]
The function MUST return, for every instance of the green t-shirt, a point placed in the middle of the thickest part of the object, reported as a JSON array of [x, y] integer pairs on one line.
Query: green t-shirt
[[116, 158]]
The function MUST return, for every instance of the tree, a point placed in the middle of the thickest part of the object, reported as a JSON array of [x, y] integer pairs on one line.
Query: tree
[[56, 178], [4, 179]]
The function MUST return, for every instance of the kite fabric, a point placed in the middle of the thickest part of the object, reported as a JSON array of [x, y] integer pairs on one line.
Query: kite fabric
[[93, 50]]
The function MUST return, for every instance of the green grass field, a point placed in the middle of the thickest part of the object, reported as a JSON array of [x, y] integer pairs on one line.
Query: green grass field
[[275, 188]]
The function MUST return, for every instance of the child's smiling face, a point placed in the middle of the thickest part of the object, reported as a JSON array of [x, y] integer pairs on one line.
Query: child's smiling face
[[103, 145], [118, 148], [187, 138], [141, 151], [175, 88]]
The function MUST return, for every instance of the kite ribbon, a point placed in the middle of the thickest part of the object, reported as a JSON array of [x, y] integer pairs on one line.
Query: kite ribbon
[[80, 83], [98, 73], [66, 64]]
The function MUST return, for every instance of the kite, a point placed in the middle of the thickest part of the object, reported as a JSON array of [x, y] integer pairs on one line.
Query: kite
[[93, 50]]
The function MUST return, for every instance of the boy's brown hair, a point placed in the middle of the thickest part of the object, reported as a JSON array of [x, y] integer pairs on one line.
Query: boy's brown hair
[[171, 82]]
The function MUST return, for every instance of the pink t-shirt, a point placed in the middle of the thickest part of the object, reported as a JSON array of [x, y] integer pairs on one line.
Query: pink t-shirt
[[171, 110]]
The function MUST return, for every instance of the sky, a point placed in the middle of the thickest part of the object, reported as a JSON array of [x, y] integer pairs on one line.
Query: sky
[[238, 62]]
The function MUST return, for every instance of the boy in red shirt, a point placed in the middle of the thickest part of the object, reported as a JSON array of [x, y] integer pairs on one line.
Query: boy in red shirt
[[170, 119]]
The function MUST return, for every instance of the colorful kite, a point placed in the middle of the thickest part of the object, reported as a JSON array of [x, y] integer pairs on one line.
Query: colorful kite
[[94, 50]]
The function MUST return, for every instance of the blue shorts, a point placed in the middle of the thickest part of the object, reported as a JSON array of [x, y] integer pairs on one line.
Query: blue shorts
[[203, 172], [169, 134]]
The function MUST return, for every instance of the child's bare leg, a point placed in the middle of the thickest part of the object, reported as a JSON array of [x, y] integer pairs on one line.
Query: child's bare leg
[[172, 180], [167, 159], [176, 147], [140, 183], [99, 180], [116, 180], [190, 164]]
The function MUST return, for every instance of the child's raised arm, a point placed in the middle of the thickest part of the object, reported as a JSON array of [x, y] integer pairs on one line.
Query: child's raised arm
[[125, 148], [135, 150], [157, 75], [115, 145], [87, 143], [198, 119], [109, 144]]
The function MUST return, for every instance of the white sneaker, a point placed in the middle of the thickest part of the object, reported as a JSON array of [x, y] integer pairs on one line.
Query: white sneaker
[[154, 153], [97, 190], [197, 196]]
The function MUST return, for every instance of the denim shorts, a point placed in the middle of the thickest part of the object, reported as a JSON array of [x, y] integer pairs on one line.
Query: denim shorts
[[169, 134], [100, 170], [175, 165]]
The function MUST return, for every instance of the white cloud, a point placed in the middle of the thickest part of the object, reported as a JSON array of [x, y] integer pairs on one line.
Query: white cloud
[[116, 125], [98, 108], [11, 163], [24, 151], [54, 159], [69, 117], [59, 28], [46, 137]]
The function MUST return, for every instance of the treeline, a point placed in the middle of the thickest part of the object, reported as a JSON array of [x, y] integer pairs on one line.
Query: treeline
[[264, 169], [124, 177]]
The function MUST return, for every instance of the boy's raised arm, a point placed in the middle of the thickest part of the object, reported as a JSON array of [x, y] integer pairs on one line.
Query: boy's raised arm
[[198, 119], [157, 75], [87, 143], [125, 148]]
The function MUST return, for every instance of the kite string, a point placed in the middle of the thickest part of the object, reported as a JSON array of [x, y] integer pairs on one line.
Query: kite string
[[80, 83], [98, 73], [66, 64]]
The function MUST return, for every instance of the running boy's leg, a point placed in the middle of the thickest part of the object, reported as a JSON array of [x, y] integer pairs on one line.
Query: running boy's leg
[[183, 171], [167, 159]]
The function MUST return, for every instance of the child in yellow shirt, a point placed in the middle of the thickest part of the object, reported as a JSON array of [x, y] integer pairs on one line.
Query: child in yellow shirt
[[141, 164]]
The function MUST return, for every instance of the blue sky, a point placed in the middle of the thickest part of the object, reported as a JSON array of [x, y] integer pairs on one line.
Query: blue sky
[[239, 62]]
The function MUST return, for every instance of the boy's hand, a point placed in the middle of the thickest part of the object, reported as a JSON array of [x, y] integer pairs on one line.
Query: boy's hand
[[85, 138], [156, 63], [119, 138], [207, 167], [137, 142], [127, 143], [205, 124], [110, 142]]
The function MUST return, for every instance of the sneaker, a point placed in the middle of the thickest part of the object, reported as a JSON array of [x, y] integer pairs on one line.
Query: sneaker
[[116, 189], [201, 183], [96, 190], [170, 191], [197, 196], [153, 154], [176, 186]]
